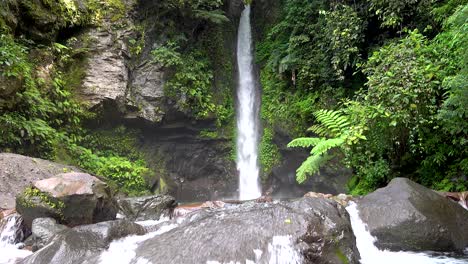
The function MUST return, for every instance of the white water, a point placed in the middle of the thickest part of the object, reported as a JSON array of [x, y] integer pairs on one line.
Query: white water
[[9, 252], [370, 254], [247, 114], [123, 250]]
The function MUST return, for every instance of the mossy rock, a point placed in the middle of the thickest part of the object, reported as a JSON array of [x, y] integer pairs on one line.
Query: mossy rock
[[32, 204], [70, 198]]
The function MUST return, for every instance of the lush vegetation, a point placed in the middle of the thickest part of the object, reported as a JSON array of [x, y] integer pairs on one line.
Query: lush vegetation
[[392, 76], [40, 114], [193, 49]]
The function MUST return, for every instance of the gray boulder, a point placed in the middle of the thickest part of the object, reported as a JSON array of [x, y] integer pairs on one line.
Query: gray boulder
[[43, 230], [72, 198], [18, 172], [146, 207], [408, 216], [76, 245], [308, 230]]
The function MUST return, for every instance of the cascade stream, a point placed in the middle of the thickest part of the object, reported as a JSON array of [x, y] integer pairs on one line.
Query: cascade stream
[[247, 114]]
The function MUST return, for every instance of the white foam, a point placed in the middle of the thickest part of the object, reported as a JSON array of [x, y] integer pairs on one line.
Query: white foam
[[123, 250], [9, 252], [370, 254], [281, 251]]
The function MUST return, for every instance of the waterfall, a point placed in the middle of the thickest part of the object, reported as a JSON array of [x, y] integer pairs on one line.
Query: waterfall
[[247, 114], [370, 254]]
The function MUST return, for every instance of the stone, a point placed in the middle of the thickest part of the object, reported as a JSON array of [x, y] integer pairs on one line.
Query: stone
[[43, 230], [147, 93], [106, 74], [76, 245], [18, 172], [313, 230], [460, 197], [72, 198], [408, 216], [308, 230], [146, 207]]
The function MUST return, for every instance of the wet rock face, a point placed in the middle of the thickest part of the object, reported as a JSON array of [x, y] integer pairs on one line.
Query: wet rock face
[[106, 74], [147, 207], [17, 172], [71, 198], [307, 230], [195, 169], [407, 216], [43, 230], [80, 244]]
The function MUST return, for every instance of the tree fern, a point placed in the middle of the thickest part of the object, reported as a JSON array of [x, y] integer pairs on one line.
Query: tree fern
[[332, 124]]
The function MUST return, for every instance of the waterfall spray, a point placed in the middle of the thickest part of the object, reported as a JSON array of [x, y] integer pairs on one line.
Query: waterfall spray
[[247, 114]]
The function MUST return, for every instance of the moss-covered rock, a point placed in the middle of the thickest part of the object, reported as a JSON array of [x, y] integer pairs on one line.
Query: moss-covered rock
[[71, 198]]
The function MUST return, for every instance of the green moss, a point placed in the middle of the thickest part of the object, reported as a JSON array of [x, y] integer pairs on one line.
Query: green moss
[[30, 193], [341, 256], [268, 152]]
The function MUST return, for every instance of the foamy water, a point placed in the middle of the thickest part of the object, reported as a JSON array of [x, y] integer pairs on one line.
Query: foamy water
[[247, 114], [123, 250], [9, 252], [370, 254]]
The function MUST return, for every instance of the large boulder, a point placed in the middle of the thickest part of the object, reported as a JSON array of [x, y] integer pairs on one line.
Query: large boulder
[[18, 172], [308, 230], [407, 216], [72, 198], [146, 207], [43, 230], [75, 245]]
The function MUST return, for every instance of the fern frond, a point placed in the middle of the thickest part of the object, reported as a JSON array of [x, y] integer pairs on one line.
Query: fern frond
[[304, 142], [319, 130], [323, 146], [332, 123], [310, 166]]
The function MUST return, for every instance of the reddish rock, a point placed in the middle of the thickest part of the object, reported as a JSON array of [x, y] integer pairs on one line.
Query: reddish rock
[[71, 198]]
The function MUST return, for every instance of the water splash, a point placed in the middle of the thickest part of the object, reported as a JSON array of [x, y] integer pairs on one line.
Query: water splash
[[124, 250], [247, 114], [9, 251], [370, 254], [282, 251]]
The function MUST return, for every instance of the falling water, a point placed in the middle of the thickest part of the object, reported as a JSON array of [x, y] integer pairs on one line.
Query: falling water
[[370, 254], [9, 252], [247, 114]]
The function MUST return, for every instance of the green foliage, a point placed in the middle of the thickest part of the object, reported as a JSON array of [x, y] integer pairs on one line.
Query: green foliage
[[40, 117], [128, 175], [30, 193], [344, 29], [342, 135], [202, 9], [118, 141], [392, 13], [269, 154], [191, 81], [35, 112]]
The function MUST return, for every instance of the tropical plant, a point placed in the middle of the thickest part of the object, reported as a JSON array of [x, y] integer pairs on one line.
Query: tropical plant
[[335, 131]]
